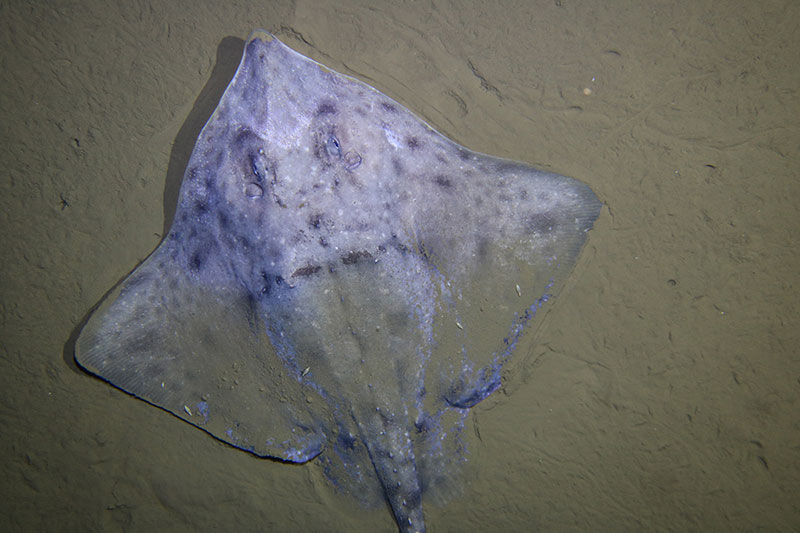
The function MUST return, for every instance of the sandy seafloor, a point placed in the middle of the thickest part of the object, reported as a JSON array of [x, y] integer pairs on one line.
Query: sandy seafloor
[[661, 392]]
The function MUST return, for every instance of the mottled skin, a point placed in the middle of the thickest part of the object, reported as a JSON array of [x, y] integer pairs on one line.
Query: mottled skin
[[341, 282]]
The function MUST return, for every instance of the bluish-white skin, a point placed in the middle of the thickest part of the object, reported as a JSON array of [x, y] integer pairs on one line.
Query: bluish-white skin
[[340, 282]]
